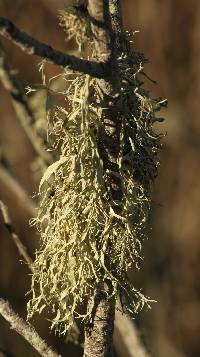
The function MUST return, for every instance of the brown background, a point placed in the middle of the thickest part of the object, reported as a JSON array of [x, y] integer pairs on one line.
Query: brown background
[[170, 37]]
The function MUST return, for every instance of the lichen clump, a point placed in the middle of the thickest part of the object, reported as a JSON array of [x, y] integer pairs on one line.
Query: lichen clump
[[84, 242]]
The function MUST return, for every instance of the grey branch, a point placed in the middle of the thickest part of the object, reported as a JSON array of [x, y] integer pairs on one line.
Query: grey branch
[[21, 106], [26, 330], [34, 47], [8, 182], [127, 339], [20, 246]]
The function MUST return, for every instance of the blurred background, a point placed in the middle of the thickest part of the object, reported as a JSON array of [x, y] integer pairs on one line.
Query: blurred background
[[170, 38]]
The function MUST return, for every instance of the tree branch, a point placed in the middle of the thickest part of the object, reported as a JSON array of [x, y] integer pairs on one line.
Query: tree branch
[[21, 106], [117, 24], [98, 337], [127, 339], [34, 47], [20, 246], [11, 184], [25, 330], [99, 331]]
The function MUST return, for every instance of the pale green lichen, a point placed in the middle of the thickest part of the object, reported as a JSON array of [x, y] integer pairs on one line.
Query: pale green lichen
[[76, 25], [83, 240]]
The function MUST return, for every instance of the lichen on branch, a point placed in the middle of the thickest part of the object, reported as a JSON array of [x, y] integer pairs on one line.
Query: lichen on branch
[[87, 234]]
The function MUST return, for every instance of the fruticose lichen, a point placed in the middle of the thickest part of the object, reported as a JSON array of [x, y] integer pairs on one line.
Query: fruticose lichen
[[83, 240]]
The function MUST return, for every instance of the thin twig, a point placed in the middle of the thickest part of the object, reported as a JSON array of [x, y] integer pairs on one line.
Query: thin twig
[[150, 79], [21, 106], [20, 246], [11, 184], [34, 47], [26, 330], [127, 340]]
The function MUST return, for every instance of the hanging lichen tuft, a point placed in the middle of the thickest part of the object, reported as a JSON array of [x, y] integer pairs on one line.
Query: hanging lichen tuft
[[76, 25], [83, 240]]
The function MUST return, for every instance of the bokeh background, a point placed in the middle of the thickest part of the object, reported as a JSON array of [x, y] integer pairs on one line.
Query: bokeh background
[[170, 37]]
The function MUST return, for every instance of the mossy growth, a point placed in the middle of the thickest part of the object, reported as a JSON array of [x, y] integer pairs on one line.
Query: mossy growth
[[84, 242]]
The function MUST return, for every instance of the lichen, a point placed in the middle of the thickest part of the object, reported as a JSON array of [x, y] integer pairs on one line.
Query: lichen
[[83, 240], [76, 25]]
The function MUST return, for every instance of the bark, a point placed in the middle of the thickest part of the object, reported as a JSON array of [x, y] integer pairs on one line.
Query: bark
[[106, 26], [99, 332], [34, 47], [106, 34]]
